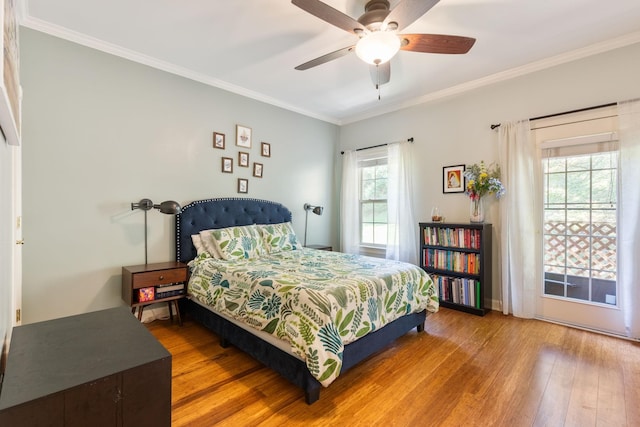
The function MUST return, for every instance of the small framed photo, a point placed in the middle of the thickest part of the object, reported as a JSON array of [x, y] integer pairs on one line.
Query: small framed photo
[[243, 136], [453, 179], [218, 140], [243, 159], [257, 170], [266, 149], [227, 165], [243, 185]]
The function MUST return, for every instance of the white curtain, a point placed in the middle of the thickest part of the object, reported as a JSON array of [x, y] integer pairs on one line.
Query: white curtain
[[349, 209], [629, 214], [520, 228], [402, 234]]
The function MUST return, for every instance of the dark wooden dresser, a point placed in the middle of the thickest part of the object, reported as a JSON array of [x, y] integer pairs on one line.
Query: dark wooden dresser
[[96, 369]]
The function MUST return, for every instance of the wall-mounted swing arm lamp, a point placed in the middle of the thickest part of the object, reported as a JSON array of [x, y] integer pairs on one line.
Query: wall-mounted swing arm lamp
[[168, 207], [316, 210]]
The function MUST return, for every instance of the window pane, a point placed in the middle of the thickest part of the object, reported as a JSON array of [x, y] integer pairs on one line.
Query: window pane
[[368, 173], [603, 185], [604, 221], [381, 172], [367, 212], [578, 163], [556, 165], [578, 187], [554, 221], [554, 250], [368, 189], [578, 216], [367, 232], [556, 188], [604, 160], [380, 212], [381, 189], [380, 234]]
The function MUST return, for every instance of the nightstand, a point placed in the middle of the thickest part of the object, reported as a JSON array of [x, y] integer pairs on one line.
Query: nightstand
[[153, 283], [321, 247]]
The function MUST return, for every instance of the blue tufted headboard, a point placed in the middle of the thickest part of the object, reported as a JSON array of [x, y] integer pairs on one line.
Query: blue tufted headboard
[[220, 213]]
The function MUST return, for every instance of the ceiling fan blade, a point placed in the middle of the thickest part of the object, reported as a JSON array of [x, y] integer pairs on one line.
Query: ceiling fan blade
[[325, 58], [329, 14], [436, 43], [380, 74], [407, 11]]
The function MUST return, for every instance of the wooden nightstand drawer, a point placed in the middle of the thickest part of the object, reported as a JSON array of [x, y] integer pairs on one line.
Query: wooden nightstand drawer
[[162, 277]]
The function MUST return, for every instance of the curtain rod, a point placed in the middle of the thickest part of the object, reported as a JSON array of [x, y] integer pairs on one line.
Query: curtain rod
[[611, 104], [376, 146]]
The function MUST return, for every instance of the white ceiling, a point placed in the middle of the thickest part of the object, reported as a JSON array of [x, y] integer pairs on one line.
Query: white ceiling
[[252, 46]]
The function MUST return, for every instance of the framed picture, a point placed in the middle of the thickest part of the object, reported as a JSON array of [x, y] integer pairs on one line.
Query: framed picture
[[266, 149], [243, 136], [243, 185], [257, 170], [227, 165], [243, 159], [453, 179], [218, 140]]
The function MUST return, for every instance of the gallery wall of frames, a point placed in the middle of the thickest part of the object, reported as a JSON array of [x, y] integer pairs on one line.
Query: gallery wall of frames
[[242, 156]]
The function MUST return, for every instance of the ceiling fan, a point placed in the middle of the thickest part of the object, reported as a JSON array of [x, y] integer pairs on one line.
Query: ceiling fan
[[378, 32]]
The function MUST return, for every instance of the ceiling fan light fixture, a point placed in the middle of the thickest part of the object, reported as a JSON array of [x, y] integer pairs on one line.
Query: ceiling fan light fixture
[[378, 47]]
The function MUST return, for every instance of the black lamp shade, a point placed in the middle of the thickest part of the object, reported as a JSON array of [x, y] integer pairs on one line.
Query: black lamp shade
[[168, 207]]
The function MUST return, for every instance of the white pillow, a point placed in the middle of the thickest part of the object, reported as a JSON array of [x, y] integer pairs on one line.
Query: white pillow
[[197, 243], [207, 244]]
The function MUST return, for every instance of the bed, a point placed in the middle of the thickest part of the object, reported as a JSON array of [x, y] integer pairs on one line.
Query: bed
[[307, 314]]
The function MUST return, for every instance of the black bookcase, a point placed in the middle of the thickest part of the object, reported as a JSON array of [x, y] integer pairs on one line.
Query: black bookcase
[[458, 259]]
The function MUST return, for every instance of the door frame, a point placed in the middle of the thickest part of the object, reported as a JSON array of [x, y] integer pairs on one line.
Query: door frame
[[583, 314]]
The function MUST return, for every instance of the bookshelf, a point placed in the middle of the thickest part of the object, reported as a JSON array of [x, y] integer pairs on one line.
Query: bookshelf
[[458, 259]]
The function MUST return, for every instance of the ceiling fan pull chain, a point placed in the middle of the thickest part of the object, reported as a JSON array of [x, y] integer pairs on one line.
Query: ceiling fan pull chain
[[378, 79]]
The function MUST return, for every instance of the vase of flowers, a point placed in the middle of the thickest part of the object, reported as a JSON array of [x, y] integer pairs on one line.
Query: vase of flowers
[[480, 182], [476, 210]]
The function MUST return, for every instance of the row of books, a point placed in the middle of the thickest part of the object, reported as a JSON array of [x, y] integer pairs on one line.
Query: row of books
[[453, 237], [458, 290], [153, 293], [459, 262]]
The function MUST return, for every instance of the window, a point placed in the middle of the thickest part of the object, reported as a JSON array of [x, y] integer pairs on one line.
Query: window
[[373, 201], [580, 200]]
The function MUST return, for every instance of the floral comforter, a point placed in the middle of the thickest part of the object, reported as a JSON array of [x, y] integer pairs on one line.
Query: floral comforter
[[318, 301]]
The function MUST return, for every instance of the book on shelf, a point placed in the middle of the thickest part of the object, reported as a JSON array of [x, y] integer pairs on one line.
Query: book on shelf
[[458, 290], [146, 294], [458, 237], [460, 262], [171, 290]]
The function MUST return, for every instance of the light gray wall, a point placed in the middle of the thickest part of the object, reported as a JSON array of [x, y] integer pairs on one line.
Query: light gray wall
[[457, 131], [101, 132]]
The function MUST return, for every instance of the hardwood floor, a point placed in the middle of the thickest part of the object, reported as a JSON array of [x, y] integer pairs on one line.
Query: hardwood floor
[[464, 371]]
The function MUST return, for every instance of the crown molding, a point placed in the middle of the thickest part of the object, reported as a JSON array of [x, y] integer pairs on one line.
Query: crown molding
[[101, 45], [532, 67]]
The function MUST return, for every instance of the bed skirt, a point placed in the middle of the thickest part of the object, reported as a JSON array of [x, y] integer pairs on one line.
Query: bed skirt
[[289, 366]]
